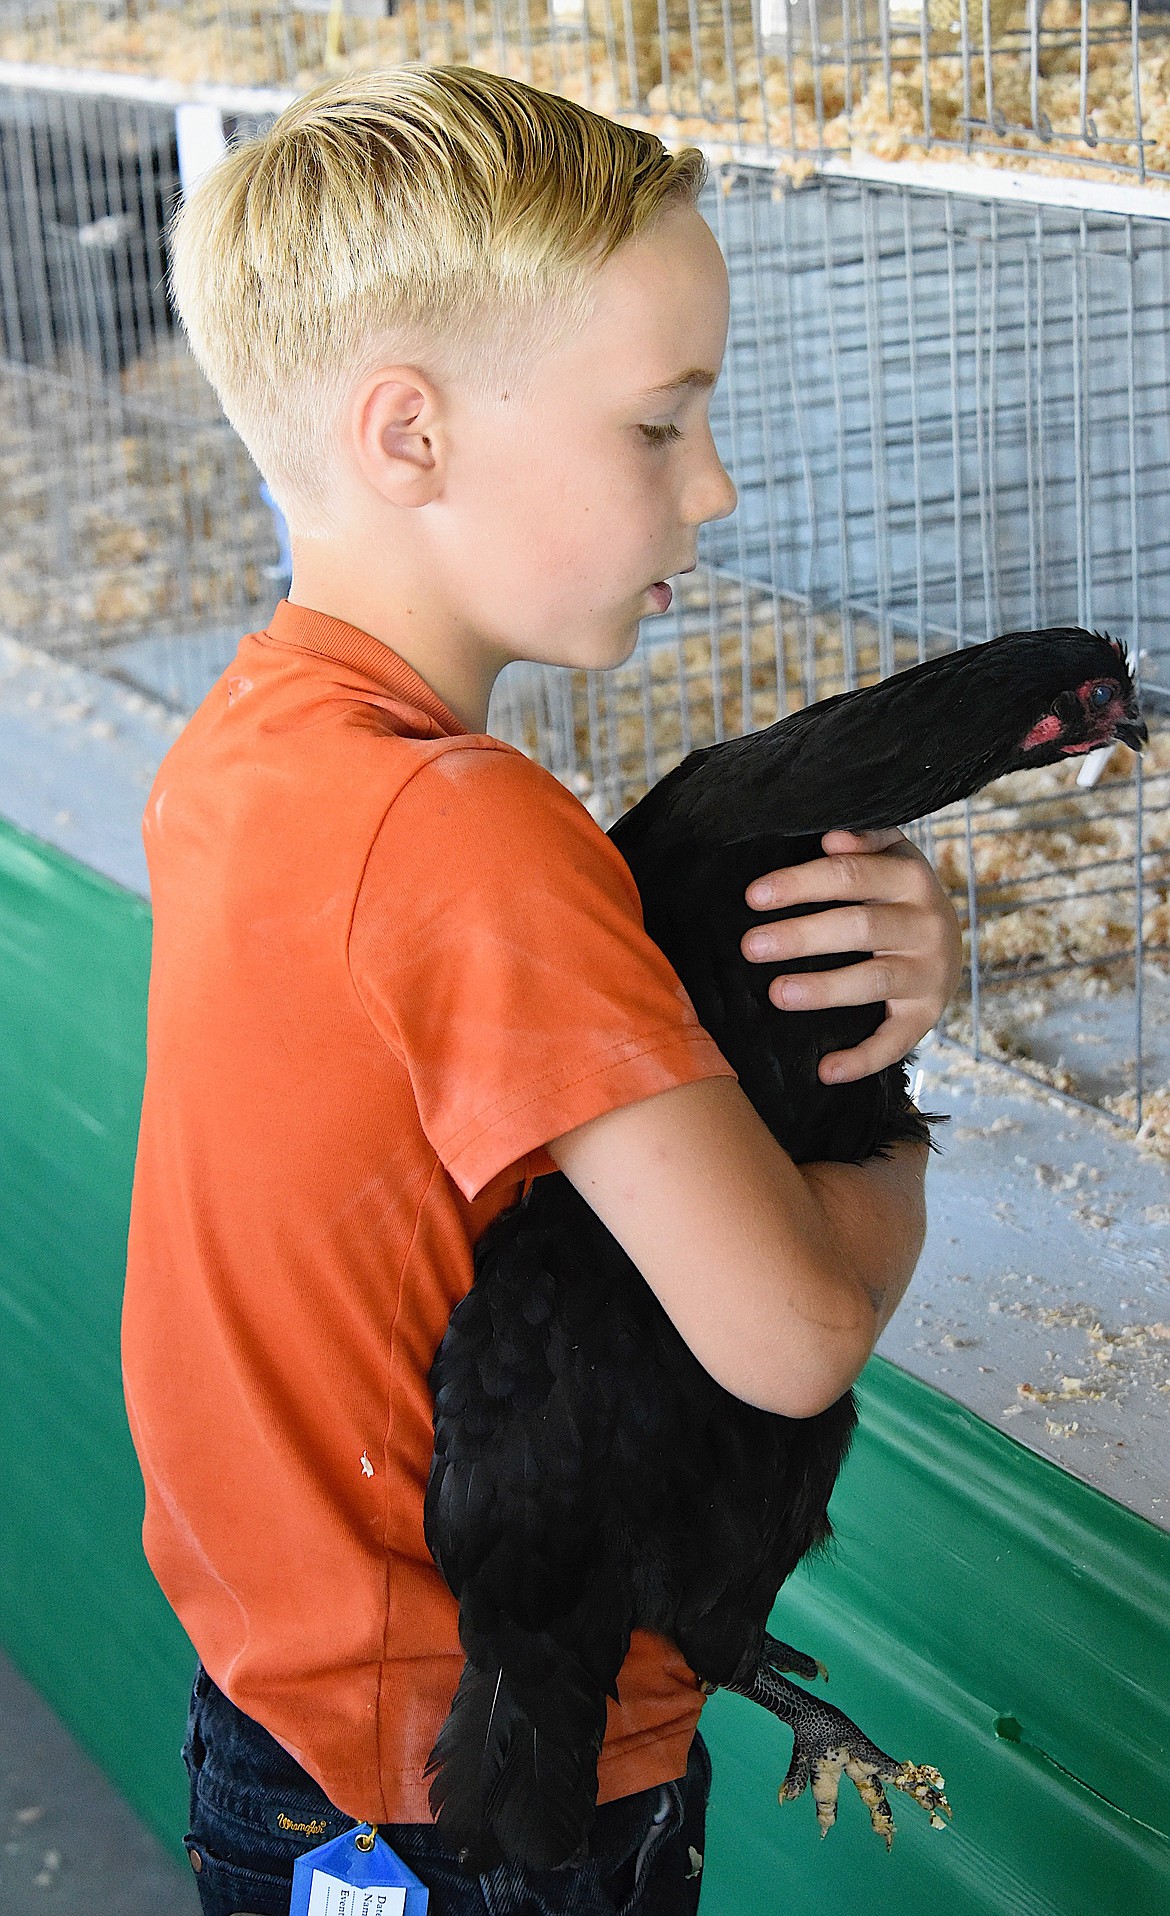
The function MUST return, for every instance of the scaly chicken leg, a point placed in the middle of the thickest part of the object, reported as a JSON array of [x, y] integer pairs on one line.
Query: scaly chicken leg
[[827, 1745]]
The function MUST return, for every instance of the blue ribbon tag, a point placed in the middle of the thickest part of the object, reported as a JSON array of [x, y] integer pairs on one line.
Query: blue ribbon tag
[[343, 1879]]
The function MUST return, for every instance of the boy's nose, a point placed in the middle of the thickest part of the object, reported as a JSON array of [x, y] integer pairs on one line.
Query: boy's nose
[[725, 497], [710, 492]]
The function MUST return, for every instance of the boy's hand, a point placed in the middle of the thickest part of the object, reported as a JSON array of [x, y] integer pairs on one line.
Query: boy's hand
[[889, 903]]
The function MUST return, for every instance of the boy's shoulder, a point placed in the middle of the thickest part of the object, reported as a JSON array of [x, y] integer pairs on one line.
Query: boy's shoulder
[[494, 802], [349, 747]]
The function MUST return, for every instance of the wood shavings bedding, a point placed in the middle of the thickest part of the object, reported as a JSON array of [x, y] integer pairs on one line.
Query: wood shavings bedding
[[723, 87], [125, 505], [1037, 835], [1117, 1360], [1153, 1134], [892, 127], [1055, 885]]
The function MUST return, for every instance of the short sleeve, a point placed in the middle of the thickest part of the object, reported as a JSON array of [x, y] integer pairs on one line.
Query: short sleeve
[[497, 944]]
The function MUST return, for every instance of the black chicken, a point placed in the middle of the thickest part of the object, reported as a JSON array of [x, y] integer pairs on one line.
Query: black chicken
[[589, 1475]]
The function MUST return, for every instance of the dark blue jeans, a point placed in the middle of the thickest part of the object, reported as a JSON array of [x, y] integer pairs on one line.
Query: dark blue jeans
[[254, 1811]]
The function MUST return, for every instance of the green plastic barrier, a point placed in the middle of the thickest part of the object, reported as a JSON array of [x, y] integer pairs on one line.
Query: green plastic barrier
[[80, 1614], [982, 1610], [987, 1613]]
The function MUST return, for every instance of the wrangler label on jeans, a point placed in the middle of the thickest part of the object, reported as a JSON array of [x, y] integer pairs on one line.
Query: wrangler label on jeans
[[329, 1896], [282, 1824]]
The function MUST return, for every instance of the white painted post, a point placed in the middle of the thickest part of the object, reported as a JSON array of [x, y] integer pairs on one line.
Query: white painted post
[[200, 136]]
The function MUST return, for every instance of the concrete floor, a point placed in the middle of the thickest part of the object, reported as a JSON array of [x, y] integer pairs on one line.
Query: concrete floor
[[78, 754], [68, 1842], [1042, 1298]]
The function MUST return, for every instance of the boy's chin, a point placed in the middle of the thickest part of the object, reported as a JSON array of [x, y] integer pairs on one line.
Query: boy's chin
[[622, 646], [600, 654], [626, 651]]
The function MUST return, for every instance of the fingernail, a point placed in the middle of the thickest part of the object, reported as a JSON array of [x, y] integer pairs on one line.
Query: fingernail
[[757, 944], [832, 1074], [792, 993], [760, 896]]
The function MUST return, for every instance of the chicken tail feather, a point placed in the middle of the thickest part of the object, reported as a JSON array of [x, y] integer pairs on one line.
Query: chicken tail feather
[[515, 1775]]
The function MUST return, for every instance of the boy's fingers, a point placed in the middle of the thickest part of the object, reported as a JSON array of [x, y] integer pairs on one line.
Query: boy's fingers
[[867, 927], [889, 1043], [846, 875], [874, 981], [883, 841]]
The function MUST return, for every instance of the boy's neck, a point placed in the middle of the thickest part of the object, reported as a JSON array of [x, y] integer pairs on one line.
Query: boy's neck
[[459, 669]]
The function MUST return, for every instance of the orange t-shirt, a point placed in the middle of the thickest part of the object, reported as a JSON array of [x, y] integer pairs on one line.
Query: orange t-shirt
[[391, 960]]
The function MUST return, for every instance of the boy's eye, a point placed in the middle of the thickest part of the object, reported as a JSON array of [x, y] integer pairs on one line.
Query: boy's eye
[[658, 435]]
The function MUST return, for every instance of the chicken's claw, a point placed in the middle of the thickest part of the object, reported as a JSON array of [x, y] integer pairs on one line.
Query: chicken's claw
[[796, 1782], [782, 1656], [869, 1788], [828, 1746]]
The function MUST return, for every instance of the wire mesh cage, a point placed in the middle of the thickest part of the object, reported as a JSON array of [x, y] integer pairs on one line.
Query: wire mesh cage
[[946, 417], [130, 503], [1060, 86]]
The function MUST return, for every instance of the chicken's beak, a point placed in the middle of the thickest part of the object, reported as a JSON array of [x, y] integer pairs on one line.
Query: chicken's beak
[[1134, 732]]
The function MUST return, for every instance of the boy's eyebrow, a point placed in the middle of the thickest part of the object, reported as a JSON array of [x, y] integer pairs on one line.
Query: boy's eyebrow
[[698, 376]]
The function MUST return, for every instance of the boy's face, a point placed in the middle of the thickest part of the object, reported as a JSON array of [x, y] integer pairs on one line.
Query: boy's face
[[560, 507]]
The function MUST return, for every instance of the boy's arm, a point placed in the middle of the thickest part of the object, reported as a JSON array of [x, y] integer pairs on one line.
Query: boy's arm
[[779, 1278]]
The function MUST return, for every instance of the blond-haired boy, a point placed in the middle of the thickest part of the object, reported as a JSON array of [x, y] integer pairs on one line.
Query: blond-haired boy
[[469, 332]]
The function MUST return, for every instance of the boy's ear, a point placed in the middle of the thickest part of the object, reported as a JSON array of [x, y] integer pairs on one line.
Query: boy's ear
[[396, 440]]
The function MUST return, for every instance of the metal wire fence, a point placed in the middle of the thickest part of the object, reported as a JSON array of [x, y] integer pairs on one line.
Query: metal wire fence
[[1078, 87], [946, 417], [130, 505]]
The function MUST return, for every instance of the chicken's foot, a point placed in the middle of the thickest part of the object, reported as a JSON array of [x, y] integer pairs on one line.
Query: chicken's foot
[[828, 1745]]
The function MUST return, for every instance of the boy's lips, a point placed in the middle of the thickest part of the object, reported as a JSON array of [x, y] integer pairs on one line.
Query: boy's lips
[[661, 591]]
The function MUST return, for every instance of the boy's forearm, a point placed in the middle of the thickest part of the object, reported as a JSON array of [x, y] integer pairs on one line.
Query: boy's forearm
[[778, 1277], [874, 1223]]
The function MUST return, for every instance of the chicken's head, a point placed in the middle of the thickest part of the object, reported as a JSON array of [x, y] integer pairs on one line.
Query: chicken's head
[[1089, 701], [931, 736]]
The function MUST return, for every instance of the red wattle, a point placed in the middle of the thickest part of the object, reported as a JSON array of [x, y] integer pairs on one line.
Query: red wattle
[[1041, 734]]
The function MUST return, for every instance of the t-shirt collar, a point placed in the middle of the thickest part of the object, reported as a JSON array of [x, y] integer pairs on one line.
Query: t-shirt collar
[[312, 631]]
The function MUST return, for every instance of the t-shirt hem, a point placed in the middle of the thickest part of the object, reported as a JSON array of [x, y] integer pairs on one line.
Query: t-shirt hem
[[652, 1759], [658, 1064]]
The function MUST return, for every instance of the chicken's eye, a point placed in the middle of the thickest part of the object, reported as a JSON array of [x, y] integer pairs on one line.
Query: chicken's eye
[[1100, 697]]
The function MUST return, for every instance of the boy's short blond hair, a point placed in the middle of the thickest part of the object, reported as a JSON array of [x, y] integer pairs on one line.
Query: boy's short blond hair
[[445, 216]]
